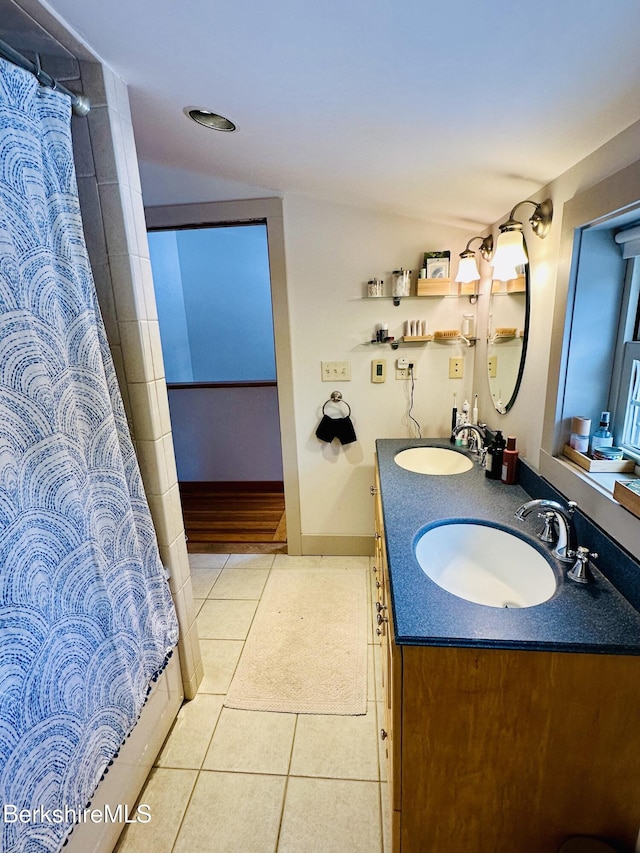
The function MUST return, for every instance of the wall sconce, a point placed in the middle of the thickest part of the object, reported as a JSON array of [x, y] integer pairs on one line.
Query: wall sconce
[[468, 268], [510, 252]]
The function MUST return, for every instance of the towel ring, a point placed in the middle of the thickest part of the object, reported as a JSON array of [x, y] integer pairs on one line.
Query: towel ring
[[336, 397]]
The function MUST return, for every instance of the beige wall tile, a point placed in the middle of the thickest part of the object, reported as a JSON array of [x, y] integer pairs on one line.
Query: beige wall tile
[[127, 287], [156, 349], [152, 461], [146, 417], [136, 351]]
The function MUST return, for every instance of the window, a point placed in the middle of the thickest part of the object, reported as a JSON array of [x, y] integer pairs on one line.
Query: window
[[624, 400], [630, 439]]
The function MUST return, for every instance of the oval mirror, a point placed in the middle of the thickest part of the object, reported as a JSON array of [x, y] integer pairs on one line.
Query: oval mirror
[[507, 334]]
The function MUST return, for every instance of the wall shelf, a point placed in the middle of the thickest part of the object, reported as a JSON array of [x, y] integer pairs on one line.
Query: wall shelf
[[472, 297]]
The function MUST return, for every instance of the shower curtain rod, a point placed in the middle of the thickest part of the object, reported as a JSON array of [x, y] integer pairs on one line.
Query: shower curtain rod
[[79, 103]]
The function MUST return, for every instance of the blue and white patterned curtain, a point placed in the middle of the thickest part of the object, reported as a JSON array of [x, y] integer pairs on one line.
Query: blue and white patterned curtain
[[86, 617]]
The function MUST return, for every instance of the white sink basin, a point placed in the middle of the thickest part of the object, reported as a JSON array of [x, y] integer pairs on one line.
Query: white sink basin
[[433, 460], [485, 565]]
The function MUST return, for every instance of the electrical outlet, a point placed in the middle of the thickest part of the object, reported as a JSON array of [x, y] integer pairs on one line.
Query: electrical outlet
[[493, 366], [456, 368], [405, 368], [336, 371]]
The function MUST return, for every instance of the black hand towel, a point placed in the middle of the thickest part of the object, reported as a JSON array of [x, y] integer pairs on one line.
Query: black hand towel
[[344, 430], [326, 429]]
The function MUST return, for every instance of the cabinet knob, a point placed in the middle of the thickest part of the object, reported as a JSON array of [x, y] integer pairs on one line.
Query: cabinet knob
[[379, 631], [380, 607], [378, 584], [377, 536], [381, 618], [373, 490], [383, 734], [374, 568]]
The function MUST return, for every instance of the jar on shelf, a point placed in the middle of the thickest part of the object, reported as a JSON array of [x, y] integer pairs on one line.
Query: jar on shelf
[[401, 282]]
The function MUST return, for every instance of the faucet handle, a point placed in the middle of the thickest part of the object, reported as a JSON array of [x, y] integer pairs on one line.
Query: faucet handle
[[579, 572], [550, 531]]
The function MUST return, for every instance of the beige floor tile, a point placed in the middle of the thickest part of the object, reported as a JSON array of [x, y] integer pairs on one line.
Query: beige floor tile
[[240, 583], [225, 619], [385, 807], [285, 561], [250, 561], [191, 733], [336, 747], [167, 793], [332, 816], [232, 813], [219, 659], [202, 580], [251, 742], [345, 562], [208, 561]]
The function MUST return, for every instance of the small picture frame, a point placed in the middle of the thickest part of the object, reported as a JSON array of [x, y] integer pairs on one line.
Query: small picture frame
[[437, 264]]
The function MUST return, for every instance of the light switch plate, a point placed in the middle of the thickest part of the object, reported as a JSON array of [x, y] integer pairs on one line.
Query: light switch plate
[[336, 371]]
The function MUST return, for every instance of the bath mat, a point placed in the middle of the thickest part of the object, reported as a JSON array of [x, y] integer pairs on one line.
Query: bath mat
[[306, 652]]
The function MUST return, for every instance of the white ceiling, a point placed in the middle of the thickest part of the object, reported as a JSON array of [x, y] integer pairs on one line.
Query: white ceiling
[[449, 111]]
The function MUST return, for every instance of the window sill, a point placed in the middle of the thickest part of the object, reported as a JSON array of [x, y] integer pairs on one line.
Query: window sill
[[594, 496]]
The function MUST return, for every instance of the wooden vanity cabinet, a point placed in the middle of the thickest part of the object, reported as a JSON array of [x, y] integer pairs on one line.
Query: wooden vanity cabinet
[[504, 751]]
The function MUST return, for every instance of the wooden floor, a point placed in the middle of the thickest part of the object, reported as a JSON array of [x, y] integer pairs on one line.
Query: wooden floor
[[222, 519]]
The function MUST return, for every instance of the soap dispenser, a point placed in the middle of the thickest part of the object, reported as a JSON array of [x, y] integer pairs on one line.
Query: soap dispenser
[[494, 457]]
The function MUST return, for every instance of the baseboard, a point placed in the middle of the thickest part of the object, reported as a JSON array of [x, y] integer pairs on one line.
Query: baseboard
[[191, 486], [337, 546]]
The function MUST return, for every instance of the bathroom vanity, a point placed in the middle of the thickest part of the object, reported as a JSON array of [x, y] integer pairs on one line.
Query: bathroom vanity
[[506, 728]]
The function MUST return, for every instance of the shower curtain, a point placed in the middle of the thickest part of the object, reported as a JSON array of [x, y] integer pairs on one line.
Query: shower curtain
[[86, 617]]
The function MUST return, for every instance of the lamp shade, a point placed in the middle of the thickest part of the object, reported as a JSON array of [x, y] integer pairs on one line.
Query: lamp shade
[[467, 270], [504, 272], [510, 249]]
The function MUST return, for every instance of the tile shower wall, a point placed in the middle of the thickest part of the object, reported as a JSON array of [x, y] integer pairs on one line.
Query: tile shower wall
[[116, 234]]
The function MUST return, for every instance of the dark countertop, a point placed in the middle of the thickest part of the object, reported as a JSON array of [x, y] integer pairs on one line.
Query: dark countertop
[[593, 618]]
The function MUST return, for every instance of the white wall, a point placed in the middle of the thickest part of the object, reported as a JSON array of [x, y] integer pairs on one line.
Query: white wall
[[331, 251], [525, 420]]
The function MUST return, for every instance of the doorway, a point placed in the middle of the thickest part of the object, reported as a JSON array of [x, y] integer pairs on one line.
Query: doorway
[[218, 316]]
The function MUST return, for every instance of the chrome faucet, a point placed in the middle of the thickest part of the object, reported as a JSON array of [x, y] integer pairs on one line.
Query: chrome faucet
[[565, 548], [479, 430]]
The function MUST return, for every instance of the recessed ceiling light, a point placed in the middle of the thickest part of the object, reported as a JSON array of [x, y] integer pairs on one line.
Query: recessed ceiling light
[[212, 120]]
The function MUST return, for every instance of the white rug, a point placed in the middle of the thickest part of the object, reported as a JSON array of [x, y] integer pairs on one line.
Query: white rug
[[306, 652]]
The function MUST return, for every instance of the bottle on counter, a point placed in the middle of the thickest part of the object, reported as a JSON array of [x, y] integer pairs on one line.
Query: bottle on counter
[[580, 429], [494, 457], [602, 437], [510, 461]]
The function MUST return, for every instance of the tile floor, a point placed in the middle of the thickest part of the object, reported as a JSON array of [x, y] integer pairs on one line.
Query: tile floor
[[229, 781]]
